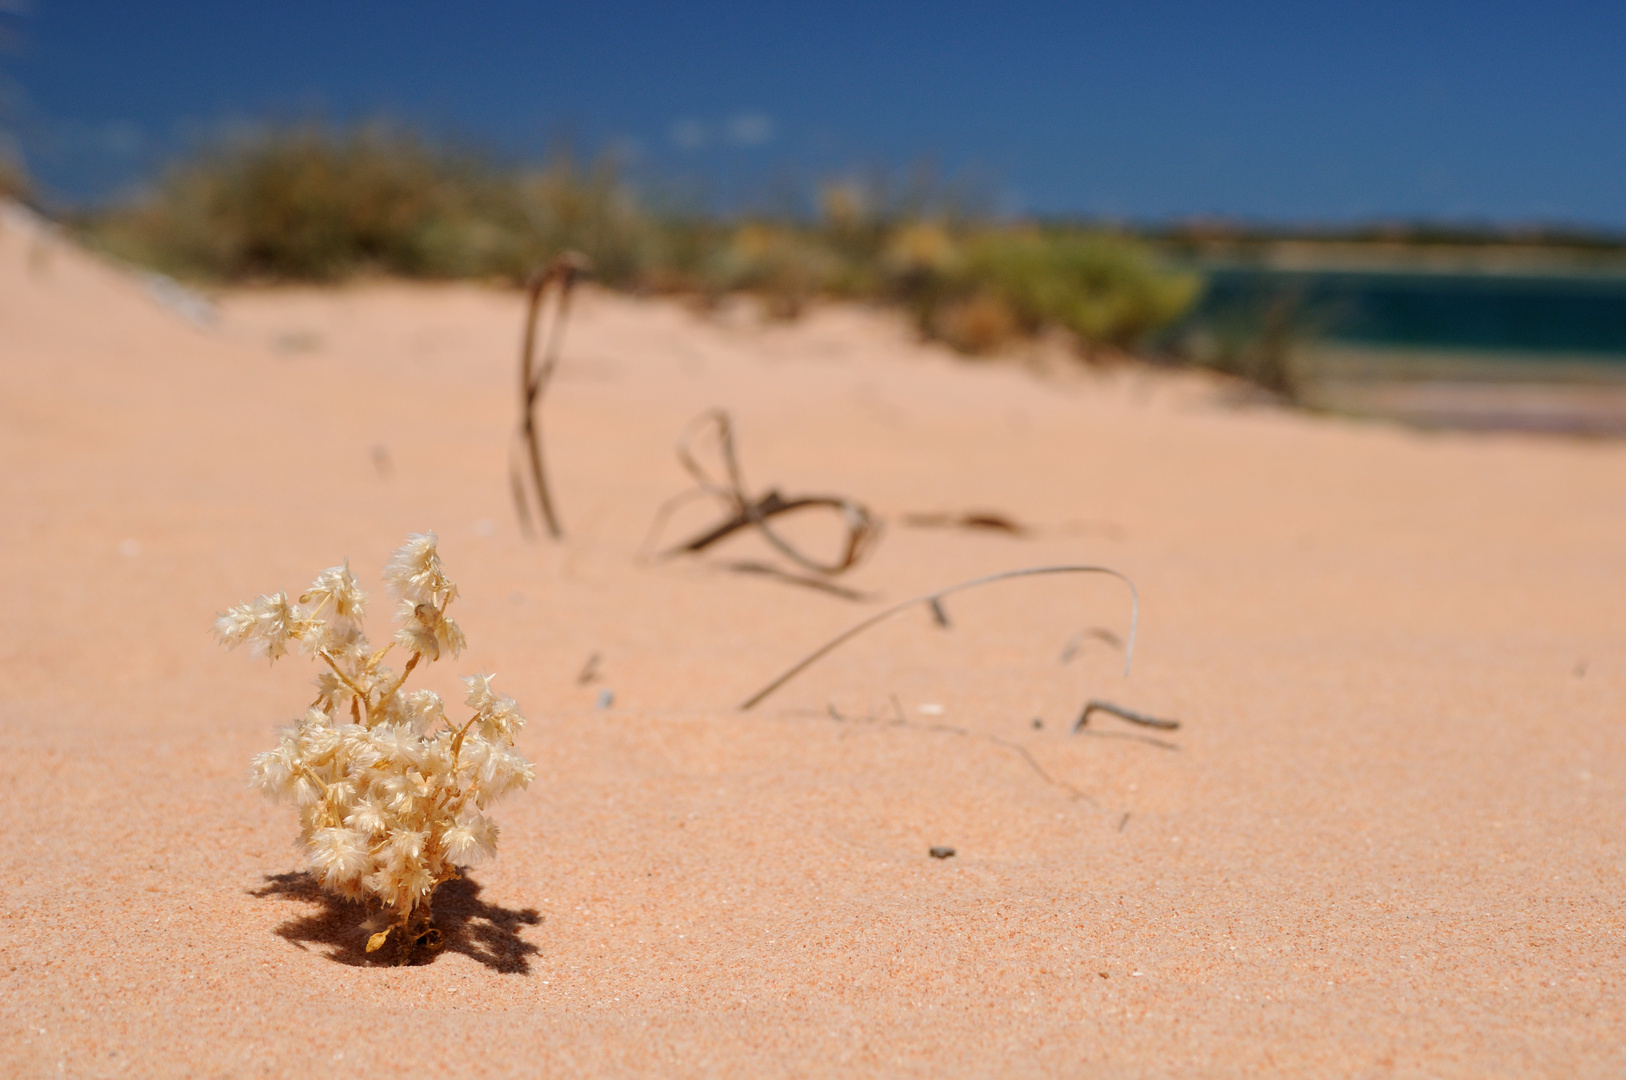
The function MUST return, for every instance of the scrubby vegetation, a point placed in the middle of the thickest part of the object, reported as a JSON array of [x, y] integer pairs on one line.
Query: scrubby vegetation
[[1101, 288], [316, 204], [310, 204], [13, 179]]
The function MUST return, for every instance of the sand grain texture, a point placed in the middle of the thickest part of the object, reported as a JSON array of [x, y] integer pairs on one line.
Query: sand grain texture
[[1387, 841]]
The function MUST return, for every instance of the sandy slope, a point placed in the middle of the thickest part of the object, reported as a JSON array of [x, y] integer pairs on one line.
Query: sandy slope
[[1388, 839]]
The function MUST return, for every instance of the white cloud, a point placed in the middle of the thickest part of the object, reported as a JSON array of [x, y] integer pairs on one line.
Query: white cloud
[[688, 134], [750, 129], [742, 129]]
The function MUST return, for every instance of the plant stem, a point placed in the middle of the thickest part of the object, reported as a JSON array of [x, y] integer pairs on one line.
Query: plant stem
[[354, 689], [387, 694], [934, 600]]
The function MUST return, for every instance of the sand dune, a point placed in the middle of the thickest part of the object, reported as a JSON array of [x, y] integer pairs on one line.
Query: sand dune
[[1387, 838]]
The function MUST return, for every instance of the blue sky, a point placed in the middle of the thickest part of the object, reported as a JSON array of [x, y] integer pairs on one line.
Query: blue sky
[[1290, 113]]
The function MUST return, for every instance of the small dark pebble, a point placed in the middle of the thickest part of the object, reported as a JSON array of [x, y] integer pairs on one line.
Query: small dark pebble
[[1102, 974], [1038, 722], [941, 852]]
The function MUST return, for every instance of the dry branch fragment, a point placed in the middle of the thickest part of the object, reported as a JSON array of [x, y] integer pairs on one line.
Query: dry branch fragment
[[743, 512], [562, 272], [974, 520], [1123, 714], [995, 521]]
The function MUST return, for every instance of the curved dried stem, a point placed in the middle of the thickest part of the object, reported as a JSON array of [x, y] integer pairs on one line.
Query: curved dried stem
[[1129, 715], [360, 694], [662, 514], [400, 681], [934, 602]]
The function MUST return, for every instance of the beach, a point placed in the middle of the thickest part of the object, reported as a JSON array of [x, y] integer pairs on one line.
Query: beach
[[1386, 839]]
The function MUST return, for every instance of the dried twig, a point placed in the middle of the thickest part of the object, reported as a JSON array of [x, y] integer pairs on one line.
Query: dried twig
[[934, 602], [976, 520], [1122, 713], [533, 380], [993, 521], [863, 528]]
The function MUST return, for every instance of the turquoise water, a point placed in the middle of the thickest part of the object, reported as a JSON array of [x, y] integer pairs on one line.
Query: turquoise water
[[1523, 314]]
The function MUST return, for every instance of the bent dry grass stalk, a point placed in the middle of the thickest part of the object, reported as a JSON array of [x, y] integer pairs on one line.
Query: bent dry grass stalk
[[742, 511], [934, 603], [391, 792], [526, 456]]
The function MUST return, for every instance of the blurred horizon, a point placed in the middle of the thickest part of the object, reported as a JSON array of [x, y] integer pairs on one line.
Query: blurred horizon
[[1278, 116]]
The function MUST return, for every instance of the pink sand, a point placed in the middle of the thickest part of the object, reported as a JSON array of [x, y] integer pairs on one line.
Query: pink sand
[[1387, 840]]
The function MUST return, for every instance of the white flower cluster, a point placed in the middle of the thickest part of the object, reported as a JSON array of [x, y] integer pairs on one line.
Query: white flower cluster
[[391, 794]]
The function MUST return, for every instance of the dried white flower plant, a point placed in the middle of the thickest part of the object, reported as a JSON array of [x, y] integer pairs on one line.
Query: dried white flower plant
[[391, 793]]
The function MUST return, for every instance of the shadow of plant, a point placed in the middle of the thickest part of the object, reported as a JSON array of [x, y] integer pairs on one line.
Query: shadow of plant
[[483, 932]]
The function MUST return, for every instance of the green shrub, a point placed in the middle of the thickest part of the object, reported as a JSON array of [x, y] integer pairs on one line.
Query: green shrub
[[310, 203], [1105, 289], [979, 290], [1261, 340], [301, 203], [13, 177], [316, 203], [565, 207], [784, 265]]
